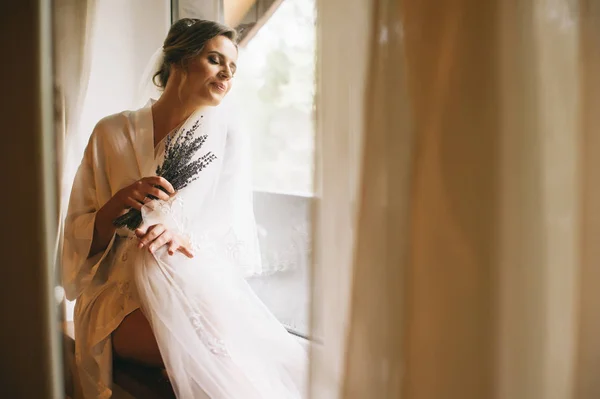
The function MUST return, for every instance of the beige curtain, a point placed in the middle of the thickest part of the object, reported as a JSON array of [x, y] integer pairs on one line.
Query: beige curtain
[[342, 37], [472, 268], [72, 38], [587, 364]]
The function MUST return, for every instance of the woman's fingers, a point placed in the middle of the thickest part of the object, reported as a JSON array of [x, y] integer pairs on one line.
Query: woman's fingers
[[132, 203], [141, 231], [151, 235], [158, 193], [160, 181], [141, 191], [164, 238], [138, 195], [157, 236], [186, 251], [173, 247]]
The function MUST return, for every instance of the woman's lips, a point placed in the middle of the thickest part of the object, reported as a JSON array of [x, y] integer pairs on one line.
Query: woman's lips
[[220, 87]]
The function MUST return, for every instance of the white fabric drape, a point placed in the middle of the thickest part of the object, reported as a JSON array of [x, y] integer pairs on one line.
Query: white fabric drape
[[217, 339], [340, 113], [72, 24], [475, 254]]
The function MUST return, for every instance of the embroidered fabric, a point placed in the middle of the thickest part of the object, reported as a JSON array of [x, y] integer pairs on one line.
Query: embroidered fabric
[[217, 339]]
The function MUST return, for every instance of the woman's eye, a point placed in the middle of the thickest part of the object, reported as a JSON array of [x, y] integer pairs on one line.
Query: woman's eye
[[213, 60]]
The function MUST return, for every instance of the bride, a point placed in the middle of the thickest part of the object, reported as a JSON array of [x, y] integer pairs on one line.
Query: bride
[[172, 293]]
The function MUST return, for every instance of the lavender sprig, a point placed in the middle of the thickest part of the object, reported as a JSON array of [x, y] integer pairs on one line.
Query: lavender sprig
[[177, 168]]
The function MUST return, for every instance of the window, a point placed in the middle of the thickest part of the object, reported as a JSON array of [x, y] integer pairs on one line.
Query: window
[[275, 87]]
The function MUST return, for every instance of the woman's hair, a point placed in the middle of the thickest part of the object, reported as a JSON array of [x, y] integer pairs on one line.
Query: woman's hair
[[186, 39]]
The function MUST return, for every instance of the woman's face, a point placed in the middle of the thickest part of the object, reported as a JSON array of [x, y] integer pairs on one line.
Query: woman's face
[[209, 75]]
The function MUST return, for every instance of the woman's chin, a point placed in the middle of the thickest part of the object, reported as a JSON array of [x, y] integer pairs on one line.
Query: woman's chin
[[210, 100], [215, 98]]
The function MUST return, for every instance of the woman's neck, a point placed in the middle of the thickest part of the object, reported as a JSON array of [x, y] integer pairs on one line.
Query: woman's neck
[[168, 113]]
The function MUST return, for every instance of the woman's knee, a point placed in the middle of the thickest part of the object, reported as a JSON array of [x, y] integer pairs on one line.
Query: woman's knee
[[134, 340]]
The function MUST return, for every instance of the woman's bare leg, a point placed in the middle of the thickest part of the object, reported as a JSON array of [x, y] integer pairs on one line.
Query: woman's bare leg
[[134, 340]]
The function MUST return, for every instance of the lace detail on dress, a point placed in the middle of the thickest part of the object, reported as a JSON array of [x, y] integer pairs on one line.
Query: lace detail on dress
[[219, 244], [173, 209], [215, 345]]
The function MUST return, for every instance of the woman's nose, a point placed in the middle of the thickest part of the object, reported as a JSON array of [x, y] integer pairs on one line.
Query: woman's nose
[[225, 74]]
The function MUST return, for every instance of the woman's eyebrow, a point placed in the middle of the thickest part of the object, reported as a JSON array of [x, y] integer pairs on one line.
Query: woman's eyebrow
[[223, 57]]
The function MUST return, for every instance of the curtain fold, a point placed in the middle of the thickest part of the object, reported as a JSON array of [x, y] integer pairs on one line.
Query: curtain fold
[[72, 34], [341, 83], [587, 364], [374, 351], [539, 230], [71, 57], [472, 267], [72, 38]]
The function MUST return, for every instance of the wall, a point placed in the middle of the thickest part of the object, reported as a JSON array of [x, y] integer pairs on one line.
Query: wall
[[125, 36]]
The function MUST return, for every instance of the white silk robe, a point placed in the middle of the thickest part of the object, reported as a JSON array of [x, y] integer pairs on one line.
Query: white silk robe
[[120, 151]]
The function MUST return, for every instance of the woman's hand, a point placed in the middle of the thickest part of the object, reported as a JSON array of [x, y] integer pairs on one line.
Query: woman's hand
[[156, 236], [137, 194], [132, 196]]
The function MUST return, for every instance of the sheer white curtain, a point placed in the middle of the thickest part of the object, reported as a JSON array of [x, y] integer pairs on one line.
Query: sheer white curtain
[[72, 29], [72, 38], [343, 45], [472, 269]]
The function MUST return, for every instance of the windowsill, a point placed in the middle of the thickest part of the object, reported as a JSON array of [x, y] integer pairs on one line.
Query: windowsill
[[285, 193], [140, 381], [297, 334]]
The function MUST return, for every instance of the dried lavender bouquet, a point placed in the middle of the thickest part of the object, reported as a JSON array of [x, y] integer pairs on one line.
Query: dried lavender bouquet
[[177, 168]]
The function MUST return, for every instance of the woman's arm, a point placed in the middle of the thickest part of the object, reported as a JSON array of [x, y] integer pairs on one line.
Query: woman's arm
[[132, 196], [104, 228], [88, 229]]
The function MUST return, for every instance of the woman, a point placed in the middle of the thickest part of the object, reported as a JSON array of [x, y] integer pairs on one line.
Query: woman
[[172, 292]]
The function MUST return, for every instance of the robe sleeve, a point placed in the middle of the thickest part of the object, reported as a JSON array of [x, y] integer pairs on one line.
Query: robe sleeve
[[79, 269]]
